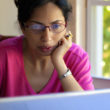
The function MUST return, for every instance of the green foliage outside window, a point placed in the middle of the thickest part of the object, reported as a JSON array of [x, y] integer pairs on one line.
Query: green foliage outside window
[[106, 41]]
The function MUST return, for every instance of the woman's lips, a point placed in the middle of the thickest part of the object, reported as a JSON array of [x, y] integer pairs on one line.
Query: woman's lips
[[45, 48]]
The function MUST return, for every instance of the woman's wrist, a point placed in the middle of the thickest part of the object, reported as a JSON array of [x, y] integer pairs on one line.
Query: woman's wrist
[[58, 61], [60, 67], [65, 74]]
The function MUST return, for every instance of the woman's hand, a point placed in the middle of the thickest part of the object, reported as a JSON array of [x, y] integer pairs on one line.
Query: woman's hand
[[68, 83], [64, 45]]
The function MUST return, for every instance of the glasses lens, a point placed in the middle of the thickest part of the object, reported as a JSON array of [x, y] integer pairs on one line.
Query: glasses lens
[[57, 27], [37, 28]]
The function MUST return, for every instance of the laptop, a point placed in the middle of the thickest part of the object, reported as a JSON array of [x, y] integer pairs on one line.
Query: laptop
[[87, 100]]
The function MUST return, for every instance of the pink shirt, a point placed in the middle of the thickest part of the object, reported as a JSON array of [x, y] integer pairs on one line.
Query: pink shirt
[[13, 80]]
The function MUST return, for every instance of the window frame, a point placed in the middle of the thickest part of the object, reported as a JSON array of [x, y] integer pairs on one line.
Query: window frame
[[95, 56]]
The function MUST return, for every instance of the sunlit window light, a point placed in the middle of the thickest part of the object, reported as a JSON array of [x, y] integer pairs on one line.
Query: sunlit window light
[[106, 46], [108, 8], [103, 63]]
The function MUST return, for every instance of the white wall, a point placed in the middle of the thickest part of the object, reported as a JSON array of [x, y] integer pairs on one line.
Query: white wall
[[81, 23], [8, 18]]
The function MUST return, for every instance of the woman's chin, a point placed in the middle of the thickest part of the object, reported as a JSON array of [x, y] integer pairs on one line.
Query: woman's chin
[[46, 51]]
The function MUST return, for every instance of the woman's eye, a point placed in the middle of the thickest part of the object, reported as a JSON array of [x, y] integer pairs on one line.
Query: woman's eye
[[55, 26], [36, 26]]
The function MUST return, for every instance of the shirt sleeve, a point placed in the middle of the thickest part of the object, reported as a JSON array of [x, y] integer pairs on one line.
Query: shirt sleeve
[[78, 62], [82, 72]]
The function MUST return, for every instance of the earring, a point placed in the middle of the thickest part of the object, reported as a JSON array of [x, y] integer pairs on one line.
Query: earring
[[69, 35]]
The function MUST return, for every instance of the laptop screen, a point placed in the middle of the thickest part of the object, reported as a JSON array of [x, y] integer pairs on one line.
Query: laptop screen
[[87, 100]]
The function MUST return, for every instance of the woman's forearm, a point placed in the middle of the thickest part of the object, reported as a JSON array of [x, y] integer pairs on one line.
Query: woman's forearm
[[68, 83]]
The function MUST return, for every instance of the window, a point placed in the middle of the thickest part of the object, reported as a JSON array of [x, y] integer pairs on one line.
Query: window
[[97, 43]]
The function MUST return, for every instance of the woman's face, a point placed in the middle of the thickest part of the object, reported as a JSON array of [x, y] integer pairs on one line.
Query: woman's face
[[43, 43]]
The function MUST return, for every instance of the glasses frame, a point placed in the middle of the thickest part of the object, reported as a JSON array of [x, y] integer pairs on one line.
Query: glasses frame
[[65, 25]]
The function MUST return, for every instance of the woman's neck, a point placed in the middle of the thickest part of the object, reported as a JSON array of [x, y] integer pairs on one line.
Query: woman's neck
[[36, 60]]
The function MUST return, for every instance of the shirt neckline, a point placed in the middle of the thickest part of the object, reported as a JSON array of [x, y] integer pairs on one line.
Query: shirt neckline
[[47, 85]]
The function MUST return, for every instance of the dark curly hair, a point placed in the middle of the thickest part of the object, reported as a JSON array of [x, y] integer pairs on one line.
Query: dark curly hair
[[26, 7]]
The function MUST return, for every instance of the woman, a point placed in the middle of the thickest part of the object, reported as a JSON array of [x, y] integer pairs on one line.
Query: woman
[[3, 37], [43, 60]]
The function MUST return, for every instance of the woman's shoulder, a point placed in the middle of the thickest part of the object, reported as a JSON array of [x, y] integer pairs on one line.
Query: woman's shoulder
[[11, 42], [76, 50]]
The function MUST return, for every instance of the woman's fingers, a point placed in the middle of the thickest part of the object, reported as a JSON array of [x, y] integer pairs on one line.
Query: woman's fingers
[[66, 39]]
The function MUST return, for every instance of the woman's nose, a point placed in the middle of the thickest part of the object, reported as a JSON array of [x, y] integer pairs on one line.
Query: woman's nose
[[46, 35]]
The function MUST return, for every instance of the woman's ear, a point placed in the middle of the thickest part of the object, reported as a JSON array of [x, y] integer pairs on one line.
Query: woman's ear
[[66, 23], [22, 27]]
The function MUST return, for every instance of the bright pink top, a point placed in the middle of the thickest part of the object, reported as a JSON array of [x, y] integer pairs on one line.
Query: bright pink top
[[13, 80]]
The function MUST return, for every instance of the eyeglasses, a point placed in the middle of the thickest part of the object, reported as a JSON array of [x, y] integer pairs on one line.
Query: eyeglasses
[[38, 28]]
